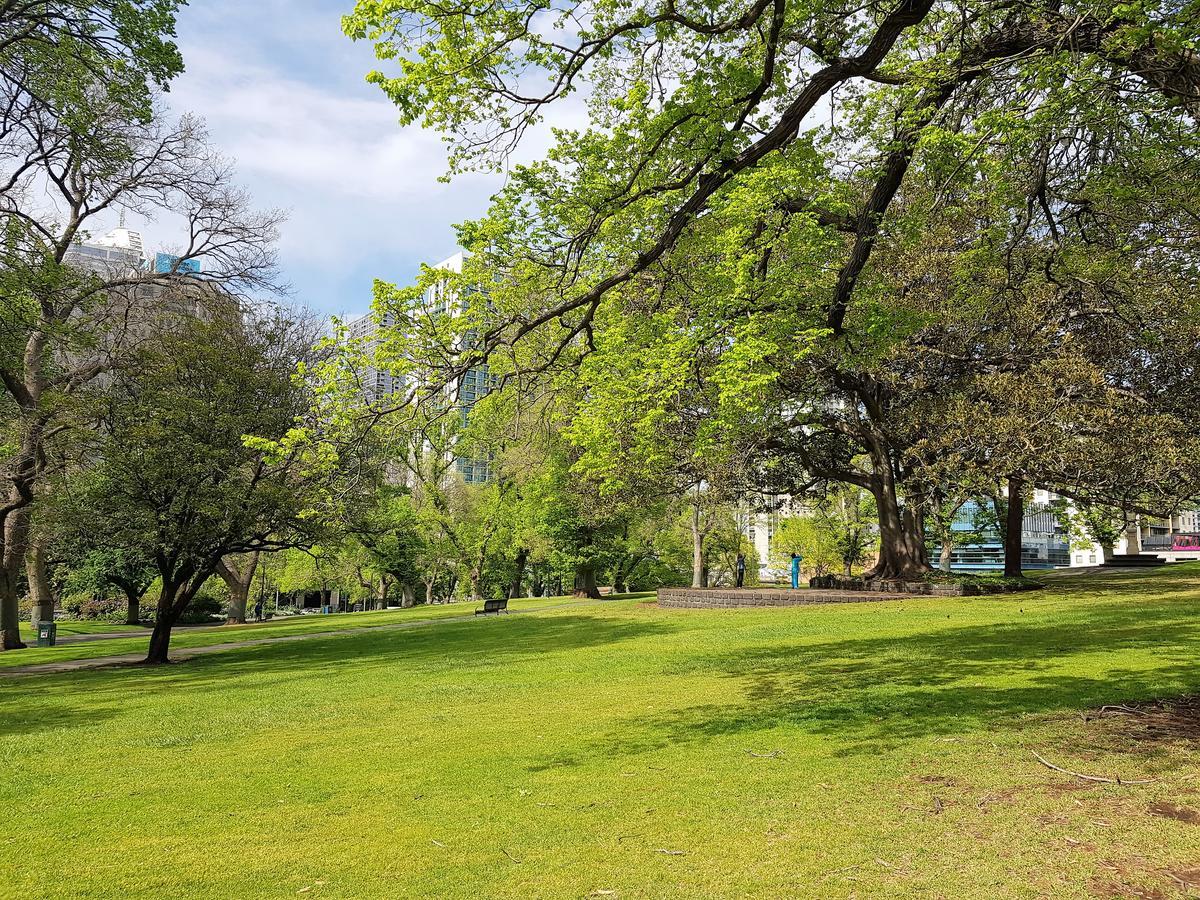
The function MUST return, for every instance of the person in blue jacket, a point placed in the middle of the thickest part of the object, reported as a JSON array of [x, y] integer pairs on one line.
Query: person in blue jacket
[[796, 571]]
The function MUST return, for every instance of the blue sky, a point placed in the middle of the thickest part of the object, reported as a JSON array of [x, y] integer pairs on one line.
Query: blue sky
[[284, 94]]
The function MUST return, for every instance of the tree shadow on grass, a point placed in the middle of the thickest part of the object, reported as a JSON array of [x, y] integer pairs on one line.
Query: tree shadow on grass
[[873, 695], [89, 696]]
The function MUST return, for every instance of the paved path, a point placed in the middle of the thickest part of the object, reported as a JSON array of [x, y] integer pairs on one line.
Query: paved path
[[182, 653]]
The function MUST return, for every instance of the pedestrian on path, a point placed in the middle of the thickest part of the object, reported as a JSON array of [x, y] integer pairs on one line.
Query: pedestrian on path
[[740, 568], [796, 558]]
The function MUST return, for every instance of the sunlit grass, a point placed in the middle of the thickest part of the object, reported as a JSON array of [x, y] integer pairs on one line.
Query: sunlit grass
[[618, 749]]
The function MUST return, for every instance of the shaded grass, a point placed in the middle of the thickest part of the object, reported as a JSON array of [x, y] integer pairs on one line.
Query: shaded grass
[[191, 636], [558, 753]]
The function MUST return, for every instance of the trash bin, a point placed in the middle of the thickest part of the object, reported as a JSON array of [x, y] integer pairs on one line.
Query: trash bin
[[47, 634]]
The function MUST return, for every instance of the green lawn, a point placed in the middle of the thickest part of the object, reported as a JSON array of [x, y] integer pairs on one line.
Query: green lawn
[[620, 750], [221, 634]]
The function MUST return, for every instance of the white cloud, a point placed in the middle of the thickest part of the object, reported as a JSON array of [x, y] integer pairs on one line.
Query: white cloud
[[283, 93]]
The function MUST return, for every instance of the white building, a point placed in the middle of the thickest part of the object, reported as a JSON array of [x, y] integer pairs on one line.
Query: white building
[[376, 383]]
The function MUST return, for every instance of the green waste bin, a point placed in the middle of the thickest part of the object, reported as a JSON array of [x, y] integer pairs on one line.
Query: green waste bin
[[47, 634]]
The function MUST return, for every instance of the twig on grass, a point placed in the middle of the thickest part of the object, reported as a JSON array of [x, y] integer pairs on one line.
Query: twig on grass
[[671, 852], [1123, 709], [1099, 778], [510, 856], [772, 754]]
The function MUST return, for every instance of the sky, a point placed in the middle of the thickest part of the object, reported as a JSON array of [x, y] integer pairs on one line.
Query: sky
[[284, 94]]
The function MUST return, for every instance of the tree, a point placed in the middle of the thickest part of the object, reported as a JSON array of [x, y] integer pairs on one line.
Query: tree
[[237, 571], [56, 53], [66, 322], [814, 266], [101, 569], [186, 473]]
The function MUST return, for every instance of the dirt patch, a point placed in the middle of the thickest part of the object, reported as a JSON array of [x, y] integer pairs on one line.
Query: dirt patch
[[1176, 719], [1101, 888], [1186, 879], [1179, 813], [938, 779]]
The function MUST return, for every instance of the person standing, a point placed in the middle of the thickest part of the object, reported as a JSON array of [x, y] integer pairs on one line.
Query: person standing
[[740, 569], [796, 571]]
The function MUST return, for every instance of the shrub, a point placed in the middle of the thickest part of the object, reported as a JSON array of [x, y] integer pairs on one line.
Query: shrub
[[203, 608]]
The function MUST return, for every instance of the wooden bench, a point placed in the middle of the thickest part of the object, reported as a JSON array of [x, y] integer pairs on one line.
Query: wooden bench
[[492, 606]]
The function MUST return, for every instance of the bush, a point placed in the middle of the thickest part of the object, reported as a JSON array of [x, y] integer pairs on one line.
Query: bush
[[101, 609], [203, 609]]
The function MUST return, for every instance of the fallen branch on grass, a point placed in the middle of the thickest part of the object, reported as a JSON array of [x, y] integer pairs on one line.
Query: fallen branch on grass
[[1099, 778], [773, 754], [1123, 709]]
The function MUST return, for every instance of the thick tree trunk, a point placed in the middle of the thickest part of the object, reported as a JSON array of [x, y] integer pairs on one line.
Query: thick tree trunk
[[38, 578], [10, 606], [1014, 519], [429, 592], [239, 596], [585, 582], [167, 614], [12, 561], [539, 586], [514, 588], [902, 553], [408, 596], [238, 577], [133, 610]]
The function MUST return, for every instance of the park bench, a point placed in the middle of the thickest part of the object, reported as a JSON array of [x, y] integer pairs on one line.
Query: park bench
[[492, 606]]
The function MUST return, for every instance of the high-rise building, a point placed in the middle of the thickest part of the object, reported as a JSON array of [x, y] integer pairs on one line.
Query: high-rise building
[[444, 298], [377, 383], [120, 249]]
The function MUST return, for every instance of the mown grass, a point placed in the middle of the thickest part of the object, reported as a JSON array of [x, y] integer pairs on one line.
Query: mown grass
[[192, 636], [622, 750]]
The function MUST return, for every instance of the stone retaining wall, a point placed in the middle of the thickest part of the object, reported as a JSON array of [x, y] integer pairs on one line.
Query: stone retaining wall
[[724, 598]]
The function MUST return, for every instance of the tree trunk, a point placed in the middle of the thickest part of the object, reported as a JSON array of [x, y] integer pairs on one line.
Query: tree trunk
[[585, 581], [239, 596], [539, 586], [165, 617], [133, 610], [1014, 520], [429, 592], [514, 589], [946, 554], [238, 577], [38, 579], [902, 553], [475, 576], [699, 568], [10, 606], [408, 596], [12, 561]]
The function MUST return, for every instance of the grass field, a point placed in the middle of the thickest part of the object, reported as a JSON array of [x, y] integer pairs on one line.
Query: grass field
[[621, 750], [195, 636]]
